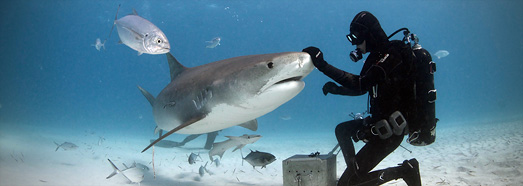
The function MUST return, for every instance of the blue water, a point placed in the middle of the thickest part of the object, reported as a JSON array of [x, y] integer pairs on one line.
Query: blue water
[[52, 78]]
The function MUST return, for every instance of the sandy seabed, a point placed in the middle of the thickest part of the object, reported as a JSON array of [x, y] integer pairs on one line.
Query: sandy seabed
[[486, 154]]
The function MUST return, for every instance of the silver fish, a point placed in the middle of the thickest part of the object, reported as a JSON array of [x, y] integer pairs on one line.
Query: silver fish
[[133, 174], [233, 141], [192, 158], [141, 35], [98, 44], [65, 146], [203, 170], [213, 43], [257, 158]]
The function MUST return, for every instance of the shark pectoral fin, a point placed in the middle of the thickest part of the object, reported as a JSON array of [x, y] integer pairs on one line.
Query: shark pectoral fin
[[149, 98], [190, 122], [239, 147], [251, 125]]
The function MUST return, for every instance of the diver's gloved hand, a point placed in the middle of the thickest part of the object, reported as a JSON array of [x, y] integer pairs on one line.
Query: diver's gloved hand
[[329, 87], [316, 56]]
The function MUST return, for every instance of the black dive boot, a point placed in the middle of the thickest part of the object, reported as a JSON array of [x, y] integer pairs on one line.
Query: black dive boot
[[408, 170], [411, 172]]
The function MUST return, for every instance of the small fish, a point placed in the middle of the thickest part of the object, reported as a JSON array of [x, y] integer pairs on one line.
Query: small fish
[[133, 174], [98, 44], [141, 35], [441, 54], [257, 158], [192, 158], [66, 146], [213, 43], [203, 170], [233, 141], [216, 162]]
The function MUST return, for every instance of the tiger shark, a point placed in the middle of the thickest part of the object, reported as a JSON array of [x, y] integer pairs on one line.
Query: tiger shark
[[226, 93]]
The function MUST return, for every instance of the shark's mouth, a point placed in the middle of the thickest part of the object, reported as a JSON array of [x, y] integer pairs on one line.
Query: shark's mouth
[[296, 78]]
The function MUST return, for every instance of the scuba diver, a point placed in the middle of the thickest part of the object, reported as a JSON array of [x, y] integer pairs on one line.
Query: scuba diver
[[389, 76]]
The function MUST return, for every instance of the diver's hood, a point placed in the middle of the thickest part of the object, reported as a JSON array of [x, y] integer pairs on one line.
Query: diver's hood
[[369, 28]]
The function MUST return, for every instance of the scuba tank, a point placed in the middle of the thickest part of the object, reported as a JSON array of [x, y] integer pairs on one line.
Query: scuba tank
[[422, 130]]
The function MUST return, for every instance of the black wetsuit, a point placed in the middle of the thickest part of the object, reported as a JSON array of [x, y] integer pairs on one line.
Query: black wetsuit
[[387, 77]]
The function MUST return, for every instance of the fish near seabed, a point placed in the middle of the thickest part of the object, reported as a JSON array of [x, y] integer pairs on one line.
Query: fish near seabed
[[226, 93], [257, 158], [134, 174], [141, 35], [233, 141], [65, 146], [213, 43]]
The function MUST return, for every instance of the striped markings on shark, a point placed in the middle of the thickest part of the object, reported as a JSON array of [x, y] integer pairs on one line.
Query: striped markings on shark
[[227, 93]]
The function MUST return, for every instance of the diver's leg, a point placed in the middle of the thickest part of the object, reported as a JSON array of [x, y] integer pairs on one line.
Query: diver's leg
[[344, 132], [371, 155], [211, 136]]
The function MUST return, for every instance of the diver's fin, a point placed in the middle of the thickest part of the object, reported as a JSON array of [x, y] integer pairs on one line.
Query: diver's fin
[[251, 125], [190, 122], [149, 98], [176, 68]]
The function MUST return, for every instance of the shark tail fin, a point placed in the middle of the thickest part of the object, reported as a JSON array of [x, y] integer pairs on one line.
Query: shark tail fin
[[116, 170], [147, 95], [175, 67]]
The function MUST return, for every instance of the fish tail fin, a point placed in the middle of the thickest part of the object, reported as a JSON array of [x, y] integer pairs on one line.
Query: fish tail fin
[[243, 159], [114, 23], [116, 170], [57, 146], [149, 98]]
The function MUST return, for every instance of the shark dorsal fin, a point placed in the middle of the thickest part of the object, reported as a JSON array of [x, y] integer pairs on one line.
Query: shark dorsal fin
[[176, 68], [134, 12]]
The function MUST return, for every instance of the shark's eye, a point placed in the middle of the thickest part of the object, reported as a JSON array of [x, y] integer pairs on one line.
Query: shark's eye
[[270, 65]]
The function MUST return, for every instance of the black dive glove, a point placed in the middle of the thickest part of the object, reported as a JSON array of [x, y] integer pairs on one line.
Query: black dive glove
[[316, 56], [329, 87]]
